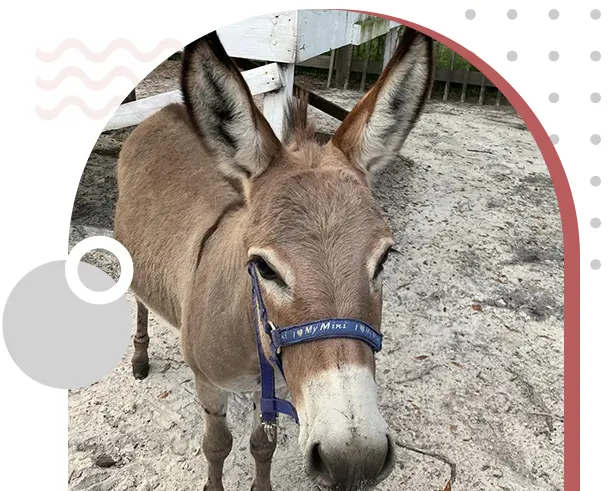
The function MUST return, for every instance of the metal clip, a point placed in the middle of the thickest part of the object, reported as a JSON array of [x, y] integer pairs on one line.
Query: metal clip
[[274, 328], [271, 431]]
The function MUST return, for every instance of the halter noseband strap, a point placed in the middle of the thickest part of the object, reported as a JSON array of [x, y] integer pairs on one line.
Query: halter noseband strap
[[270, 405]]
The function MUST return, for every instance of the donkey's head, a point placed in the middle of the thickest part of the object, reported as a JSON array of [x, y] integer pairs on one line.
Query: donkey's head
[[317, 238]]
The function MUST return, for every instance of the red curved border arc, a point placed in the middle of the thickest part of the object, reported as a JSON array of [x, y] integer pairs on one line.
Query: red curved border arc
[[571, 250]]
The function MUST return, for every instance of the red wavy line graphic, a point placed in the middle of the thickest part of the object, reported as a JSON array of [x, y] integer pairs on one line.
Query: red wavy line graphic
[[114, 45], [74, 71]]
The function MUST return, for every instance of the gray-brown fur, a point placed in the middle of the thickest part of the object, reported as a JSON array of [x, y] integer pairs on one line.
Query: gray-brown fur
[[190, 230]]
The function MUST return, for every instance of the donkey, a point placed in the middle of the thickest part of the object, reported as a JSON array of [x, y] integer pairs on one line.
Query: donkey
[[211, 202]]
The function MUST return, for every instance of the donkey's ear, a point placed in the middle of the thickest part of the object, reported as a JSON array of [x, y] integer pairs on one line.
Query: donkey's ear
[[374, 131], [222, 109]]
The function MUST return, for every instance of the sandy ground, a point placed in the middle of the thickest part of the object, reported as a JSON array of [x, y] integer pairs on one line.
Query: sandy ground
[[473, 362]]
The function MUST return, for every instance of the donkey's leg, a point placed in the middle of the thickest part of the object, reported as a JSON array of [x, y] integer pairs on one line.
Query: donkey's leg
[[261, 449], [217, 439], [140, 363]]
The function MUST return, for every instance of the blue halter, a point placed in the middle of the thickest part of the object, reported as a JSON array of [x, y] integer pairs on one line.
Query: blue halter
[[270, 405]]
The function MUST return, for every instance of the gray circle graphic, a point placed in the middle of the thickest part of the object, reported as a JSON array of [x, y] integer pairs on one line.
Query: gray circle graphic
[[595, 181], [596, 222], [595, 139], [553, 14], [59, 340], [511, 56], [470, 14], [554, 139], [512, 14], [596, 264], [595, 14], [596, 56], [554, 56], [596, 97], [553, 97]]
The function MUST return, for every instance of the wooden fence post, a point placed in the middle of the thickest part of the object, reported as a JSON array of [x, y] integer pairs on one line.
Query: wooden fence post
[[446, 91], [390, 42], [343, 60], [368, 47], [482, 90], [332, 58], [465, 83], [435, 54]]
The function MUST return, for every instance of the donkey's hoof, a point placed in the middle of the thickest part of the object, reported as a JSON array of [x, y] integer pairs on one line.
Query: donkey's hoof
[[141, 370]]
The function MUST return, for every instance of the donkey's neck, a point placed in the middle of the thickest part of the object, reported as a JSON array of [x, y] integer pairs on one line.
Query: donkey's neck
[[218, 336]]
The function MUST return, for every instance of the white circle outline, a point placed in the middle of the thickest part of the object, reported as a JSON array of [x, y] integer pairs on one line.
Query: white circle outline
[[113, 293]]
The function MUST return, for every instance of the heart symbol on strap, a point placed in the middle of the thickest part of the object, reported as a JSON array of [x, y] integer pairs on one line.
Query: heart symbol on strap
[[299, 332]]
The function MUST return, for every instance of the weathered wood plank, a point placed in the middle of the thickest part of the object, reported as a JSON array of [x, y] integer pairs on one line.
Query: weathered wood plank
[[293, 36], [369, 27], [322, 30], [260, 80], [266, 37], [274, 102], [133, 113], [263, 79], [321, 103]]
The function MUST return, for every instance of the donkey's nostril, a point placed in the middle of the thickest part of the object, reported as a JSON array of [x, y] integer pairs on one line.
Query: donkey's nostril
[[316, 461], [389, 460]]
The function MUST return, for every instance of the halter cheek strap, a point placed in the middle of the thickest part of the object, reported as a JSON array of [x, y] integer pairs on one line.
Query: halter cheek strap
[[288, 336]]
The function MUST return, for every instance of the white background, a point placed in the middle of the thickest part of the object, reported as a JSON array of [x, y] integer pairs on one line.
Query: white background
[[43, 160]]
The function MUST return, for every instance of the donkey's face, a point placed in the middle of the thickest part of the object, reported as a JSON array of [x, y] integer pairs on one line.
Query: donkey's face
[[318, 240]]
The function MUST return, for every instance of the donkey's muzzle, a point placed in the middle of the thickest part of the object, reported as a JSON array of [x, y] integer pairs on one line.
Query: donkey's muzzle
[[357, 463]]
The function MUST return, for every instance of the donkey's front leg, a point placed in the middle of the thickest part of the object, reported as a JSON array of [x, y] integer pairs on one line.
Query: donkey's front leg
[[217, 439], [261, 449]]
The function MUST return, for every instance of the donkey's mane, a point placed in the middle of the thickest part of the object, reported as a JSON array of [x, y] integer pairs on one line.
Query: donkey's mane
[[298, 129]]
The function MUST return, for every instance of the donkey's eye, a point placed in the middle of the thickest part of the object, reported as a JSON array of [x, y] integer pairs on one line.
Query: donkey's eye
[[382, 262], [266, 271]]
